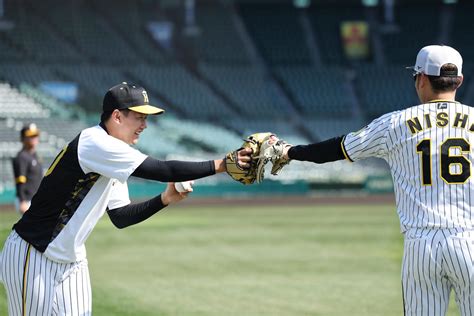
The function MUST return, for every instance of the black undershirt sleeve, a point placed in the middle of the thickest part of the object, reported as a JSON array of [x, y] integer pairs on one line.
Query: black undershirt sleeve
[[20, 192], [135, 213], [173, 170], [20, 166], [326, 151], [164, 171]]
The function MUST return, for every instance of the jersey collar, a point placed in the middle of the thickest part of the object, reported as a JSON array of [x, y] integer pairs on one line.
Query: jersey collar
[[101, 124], [441, 100]]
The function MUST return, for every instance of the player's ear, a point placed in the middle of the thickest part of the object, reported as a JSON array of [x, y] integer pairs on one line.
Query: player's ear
[[423, 80], [461, 81], [116, 116]]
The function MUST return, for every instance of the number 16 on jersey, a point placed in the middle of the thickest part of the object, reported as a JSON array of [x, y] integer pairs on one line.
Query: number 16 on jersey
[[455, 167]]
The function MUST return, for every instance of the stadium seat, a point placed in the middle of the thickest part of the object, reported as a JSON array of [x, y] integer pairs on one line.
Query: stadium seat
[[137, 15], [249, 88], [18, 73], [277, 32], [218, 41], [385, 88], [34, 39], [324, 128], [13, 104], [402, 44], [214, 89], [317, 90], [184, 90], [462, 20], [87, 30]]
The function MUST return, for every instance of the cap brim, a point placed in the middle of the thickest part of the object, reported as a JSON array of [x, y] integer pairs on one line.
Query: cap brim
[[31, 134], [413, 70], [146, 109]]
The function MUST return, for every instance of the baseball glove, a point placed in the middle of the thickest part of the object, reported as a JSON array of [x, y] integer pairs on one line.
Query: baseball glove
[[255, 172], [272, 151]]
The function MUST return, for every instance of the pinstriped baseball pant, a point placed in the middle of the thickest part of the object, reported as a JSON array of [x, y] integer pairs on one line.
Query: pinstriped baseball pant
[[36, 285], [436, 261]]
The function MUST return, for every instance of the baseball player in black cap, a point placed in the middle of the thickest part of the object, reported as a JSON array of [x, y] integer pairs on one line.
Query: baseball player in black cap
[[27, 168], [44, 267]]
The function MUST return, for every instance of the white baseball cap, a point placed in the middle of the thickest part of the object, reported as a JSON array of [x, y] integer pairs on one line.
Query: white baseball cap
[[431, 58]]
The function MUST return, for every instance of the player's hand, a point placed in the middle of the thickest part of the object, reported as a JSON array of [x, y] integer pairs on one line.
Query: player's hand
[[171, 195], [244, 157], [23, 207], [285, 151], [246, 163]]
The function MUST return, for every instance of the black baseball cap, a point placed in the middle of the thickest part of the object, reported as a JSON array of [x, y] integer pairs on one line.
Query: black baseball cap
[[129, 96], [29, 130]]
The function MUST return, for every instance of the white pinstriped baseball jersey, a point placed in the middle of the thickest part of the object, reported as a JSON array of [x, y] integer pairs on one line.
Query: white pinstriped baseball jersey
[[43, 264], [428, 149], [88, 176]]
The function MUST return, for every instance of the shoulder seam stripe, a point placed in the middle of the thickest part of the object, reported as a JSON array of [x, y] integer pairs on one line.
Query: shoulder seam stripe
[[344, 150]]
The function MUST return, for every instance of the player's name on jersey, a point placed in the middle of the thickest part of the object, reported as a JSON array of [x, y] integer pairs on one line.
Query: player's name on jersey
[[442, 119]]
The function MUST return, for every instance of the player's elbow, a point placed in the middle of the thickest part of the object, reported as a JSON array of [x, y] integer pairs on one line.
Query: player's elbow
[[118, 224], [117, 220]]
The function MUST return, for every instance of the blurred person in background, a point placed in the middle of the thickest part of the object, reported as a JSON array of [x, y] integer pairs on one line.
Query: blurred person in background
[[27, 168]]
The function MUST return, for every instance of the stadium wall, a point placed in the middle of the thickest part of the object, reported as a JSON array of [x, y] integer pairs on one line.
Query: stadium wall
[[141, 190]]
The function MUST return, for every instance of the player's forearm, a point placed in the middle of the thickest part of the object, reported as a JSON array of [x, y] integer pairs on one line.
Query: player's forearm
[[326, 151], [174, 171], [135, 213], [20, 192]]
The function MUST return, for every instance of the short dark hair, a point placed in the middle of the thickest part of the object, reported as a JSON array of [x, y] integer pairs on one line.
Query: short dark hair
[[104, 117], [445, 83]]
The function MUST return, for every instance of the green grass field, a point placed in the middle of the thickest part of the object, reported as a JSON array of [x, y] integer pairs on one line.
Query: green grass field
[[247, 260]]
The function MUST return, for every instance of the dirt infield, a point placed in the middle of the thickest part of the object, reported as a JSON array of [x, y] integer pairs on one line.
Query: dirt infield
[[333, 198], [296, 200]]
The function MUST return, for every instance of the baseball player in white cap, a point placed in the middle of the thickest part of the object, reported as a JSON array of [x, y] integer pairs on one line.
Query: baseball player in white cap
[[428, 149]]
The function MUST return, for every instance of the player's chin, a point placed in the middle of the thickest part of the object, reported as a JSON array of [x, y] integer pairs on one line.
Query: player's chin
[[134, 140]]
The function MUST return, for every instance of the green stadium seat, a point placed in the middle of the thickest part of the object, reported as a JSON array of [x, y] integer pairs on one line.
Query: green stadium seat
[[277, 33], [186, 92], [317, 90], [248, 87], [218, 41], [385, 88]]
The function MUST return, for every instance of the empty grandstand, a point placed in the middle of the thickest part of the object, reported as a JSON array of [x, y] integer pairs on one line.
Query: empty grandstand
[[221, 69]]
